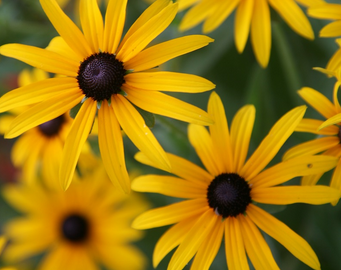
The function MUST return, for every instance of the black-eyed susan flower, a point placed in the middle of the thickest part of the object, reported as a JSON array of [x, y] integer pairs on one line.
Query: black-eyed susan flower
[[251, 16], [83, 228], [107, 76], [222, 200], [328, 131]]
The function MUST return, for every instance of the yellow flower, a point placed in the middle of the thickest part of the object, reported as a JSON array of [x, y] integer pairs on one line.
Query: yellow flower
[[251, 15], [329, 132], [84, 227], [223, 200], [107, 76], [2, 245]]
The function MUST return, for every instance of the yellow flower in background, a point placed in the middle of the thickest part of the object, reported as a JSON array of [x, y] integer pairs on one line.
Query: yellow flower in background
[[329, 132], [80, 229], [39, 150], [223, 200], [107, 76], [3, 241], [251, 16]]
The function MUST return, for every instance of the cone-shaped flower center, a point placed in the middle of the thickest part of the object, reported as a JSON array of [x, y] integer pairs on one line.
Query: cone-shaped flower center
[[229, 195], [75, 228], [100, 76], [339, 134], [52, 127]]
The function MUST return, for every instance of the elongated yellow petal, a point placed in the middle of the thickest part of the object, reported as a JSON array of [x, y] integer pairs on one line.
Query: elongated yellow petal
[[291, 168], [312, 125], [36, 92], [170, 214], [256, 247], [234, 245], [169, 186], [168, 81], [111, 147], [284, 235], [146, 33], [295, 194], [29, 170], [159, 103], [202, 143], [41, 58], [44, 111], [325, 11], [114, 23], [162, 52], [182, 168], [134, 126], [335, 95], [335, 61], [310, 180], [172, 238], [294, 17], [219, 15], [311, 147], [209, 248], [75, 140], [66, 28], [242, 23], [310, 3], [261, 32], [220, 134], [336, 180], [20, 148], [193, 240], [3, 241], [318, 101], [336, 119], [241, 130], [270, 145], [58, 45], [92, 24], [331, 30]]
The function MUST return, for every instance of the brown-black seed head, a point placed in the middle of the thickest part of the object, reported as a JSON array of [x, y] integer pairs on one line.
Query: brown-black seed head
[[52, 128], [100, 76], [75, 228]]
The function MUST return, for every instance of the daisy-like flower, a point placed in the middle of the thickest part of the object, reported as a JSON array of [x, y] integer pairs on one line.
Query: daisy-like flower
[[223, 200], [329, 132], [80, 229], [251, 15], [107, 76], [32, 151]]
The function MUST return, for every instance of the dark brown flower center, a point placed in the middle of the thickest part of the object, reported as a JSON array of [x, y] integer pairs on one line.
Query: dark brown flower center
[[339, 134], [75, 228], [100, 76], [52, 127], [229, 195]]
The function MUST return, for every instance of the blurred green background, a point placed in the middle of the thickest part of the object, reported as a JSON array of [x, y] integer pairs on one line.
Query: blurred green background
[[239, 80]]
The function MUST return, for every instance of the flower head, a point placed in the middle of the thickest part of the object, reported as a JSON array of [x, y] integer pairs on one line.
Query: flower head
[[251, 15], [223, 200], [108, 77]]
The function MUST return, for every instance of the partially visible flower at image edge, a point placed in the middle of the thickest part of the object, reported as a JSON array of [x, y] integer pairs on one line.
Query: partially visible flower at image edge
[[223, 200], [110, 77], [251, 15]]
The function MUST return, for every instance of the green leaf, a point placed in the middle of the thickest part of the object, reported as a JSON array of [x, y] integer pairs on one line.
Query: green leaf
[[74, 110]]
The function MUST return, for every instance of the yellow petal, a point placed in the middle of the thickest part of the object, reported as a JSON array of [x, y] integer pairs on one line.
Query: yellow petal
[[3, 241], [162, 52], [336, 179], [220, 134], [335, 61], [294, 17], [170, 214], [193, 240], [295, 194], [325, 11], [92, 24], [162, 104], [111, 147], [270, 145], [36, 92], [169, 186], [234, 245], [310, 3], [75, 140], [66, 28], [336, 119], [291, 168], [261, 32], [241, 130], [242, 23], [41, 58], [168, 81], [134, 126], [44, 111], [284, 235], [312, 125], [331, 30], [58, 45], [335, 96], [114, 23], [20, 150], [318, 101], [310, 180], [183, 4], [146, 33], [257, 249], [5, 122]]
